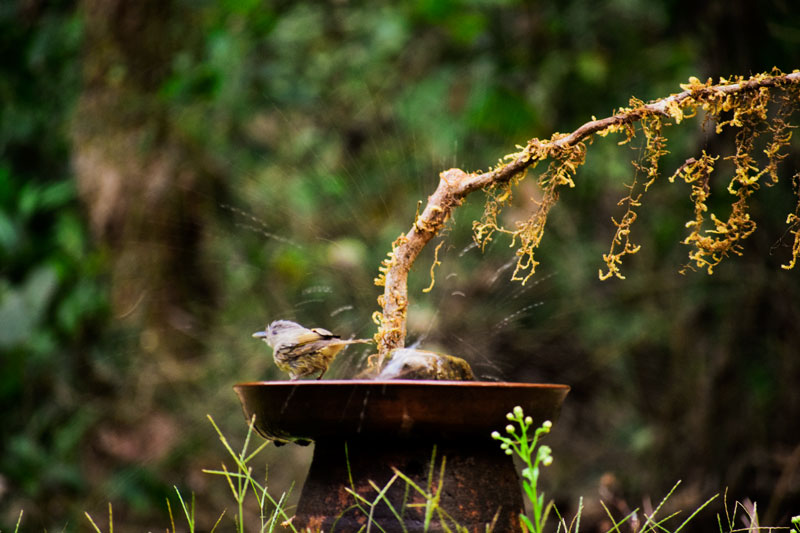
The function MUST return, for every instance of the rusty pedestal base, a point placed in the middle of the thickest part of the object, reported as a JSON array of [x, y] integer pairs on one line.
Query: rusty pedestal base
[[480, 486]]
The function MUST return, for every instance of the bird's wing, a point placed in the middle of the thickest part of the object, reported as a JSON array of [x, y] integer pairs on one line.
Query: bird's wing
[[306, 337], [302, 350], [316, 334], [324, 333]]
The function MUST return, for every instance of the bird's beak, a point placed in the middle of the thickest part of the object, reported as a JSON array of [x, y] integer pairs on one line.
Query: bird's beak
[[260, 334]]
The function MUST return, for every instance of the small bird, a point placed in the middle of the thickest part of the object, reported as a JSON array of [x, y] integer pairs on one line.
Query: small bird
[[301, 351], [412, 363]]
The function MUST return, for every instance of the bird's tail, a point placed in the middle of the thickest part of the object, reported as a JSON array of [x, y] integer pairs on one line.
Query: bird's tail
[[356, 341]]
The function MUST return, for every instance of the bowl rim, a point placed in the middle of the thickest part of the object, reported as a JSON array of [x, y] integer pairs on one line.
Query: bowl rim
[[403, 382]]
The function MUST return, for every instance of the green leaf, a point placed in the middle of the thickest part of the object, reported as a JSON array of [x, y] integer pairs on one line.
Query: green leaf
[[22, 309], [9, 236], [56, 194]]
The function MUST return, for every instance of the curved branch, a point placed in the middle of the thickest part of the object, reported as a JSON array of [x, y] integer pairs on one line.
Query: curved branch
[[455, 184]]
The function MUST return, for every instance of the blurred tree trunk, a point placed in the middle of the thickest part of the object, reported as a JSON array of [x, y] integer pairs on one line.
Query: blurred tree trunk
[[143, 190]]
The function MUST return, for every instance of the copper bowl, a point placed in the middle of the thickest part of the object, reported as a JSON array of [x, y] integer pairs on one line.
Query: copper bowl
[[314, 410]]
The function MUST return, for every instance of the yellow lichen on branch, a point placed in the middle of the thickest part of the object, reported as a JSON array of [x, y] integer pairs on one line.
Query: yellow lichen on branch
[[393, 302], [435, 263], [528, 234], [749, 114], [745, 106], [655, 148], [793, 220], [394, 269]]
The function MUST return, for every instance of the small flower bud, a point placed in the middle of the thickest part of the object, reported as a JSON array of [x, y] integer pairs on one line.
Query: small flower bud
[[510, 428], [518, 411], [495, 434], [545, 450], [509, 452], [510, 416], [528, 420], [547, 424], [547, 461]]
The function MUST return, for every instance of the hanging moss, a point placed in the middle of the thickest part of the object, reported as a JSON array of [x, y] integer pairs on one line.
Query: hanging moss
[[746, 102]]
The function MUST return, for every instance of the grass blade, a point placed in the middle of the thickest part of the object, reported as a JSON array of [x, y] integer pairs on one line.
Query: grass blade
[[649, 521], [708, 501], [92, 522], [218, 521], [171, 518], [19, 521]]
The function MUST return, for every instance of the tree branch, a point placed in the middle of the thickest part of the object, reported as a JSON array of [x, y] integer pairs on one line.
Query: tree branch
[[455, 185]]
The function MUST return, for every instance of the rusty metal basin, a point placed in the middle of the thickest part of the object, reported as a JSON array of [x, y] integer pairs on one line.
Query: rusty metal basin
[[397, 423]]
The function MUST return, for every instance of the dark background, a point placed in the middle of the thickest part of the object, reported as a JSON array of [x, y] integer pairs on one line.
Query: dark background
[[175, 174]]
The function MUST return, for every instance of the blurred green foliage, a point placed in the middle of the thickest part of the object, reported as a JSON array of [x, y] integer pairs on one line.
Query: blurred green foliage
[[52, 294], [325, 124]]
